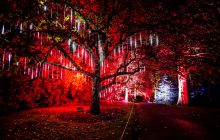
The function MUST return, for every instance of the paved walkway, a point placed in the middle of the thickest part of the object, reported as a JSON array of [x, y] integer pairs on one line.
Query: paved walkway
[[161, 122]]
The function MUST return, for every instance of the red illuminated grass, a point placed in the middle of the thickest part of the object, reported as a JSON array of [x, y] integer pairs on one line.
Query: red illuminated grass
[[65, 123]]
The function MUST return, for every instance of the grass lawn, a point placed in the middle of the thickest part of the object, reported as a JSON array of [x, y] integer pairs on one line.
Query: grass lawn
[[66, 123]]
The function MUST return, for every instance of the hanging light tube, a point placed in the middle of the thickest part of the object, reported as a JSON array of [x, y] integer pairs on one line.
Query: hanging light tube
[[9, 60], [31, 26], [71, 18], [21, 28], [131, 42], [135, 42], [151, 39], [78, 25], [51, 12], [3, 29], [32, 73], [3, 60], [140, 38], [45, 8], [157, 40]]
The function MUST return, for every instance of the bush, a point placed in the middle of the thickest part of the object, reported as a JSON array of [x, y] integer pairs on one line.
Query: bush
[[18, 92]]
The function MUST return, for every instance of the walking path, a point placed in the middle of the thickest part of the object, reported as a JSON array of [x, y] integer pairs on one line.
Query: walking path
[[161, 122]]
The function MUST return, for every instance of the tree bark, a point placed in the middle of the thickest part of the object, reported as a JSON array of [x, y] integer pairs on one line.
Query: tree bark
[[182, 83], [96, 80], [95, 106]]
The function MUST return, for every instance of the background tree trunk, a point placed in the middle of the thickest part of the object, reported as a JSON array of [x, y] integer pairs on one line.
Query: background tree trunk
[[183, 91]]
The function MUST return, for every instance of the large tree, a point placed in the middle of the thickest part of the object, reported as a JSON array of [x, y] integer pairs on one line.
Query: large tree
[[83, 36], [86, 36]]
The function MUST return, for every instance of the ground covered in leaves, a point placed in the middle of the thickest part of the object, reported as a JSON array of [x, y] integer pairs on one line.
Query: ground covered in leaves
[[72, 122]]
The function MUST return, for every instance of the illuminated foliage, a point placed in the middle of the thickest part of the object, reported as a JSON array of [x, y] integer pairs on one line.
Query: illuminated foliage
[[100, 41], [166, 93]]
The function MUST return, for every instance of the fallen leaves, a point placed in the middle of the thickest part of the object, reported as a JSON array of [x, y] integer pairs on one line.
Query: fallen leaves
[[54, 123]]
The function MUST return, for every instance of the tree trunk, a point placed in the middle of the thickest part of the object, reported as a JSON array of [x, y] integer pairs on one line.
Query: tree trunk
[[183, 92], [95, 106]]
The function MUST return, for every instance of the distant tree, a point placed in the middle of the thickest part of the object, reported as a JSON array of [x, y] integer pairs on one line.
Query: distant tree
[[166, 93]]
